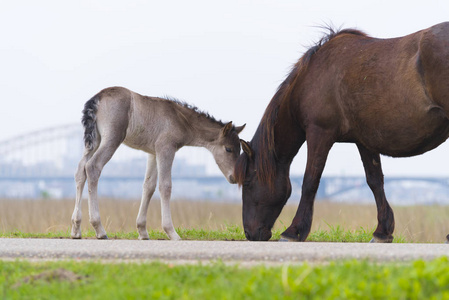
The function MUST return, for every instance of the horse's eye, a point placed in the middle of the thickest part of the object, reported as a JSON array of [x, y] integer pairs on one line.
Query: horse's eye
[[228, 149]]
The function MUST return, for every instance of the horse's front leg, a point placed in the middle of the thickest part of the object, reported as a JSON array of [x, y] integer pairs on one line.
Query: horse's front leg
[[164, 159], [149, 185], [375, 180], [319, 142]]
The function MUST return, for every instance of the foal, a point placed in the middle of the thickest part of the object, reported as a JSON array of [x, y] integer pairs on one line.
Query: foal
[[157, 126]]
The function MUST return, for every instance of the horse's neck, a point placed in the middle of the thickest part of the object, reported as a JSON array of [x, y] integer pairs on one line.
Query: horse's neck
[[288, 138]]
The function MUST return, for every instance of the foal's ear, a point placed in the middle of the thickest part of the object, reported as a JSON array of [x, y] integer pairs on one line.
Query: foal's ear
[[247, 149], [226, 129], [240, 128]]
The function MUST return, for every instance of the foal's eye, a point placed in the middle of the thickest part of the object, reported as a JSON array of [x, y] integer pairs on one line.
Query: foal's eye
[[228, 149]]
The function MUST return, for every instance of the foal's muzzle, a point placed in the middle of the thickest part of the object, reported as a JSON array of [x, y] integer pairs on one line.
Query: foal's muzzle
[[231, 179]]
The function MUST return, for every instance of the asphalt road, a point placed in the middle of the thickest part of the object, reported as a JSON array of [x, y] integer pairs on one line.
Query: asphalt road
[[241, 252]]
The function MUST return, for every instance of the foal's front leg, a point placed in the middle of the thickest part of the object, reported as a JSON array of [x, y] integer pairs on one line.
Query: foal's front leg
[[149, 185], [165, 157]]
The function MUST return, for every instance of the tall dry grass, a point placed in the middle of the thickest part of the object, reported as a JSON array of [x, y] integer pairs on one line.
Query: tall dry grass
[[414, 223]]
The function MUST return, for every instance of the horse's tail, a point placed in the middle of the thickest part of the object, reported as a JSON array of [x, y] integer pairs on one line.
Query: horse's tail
[[89, 121]]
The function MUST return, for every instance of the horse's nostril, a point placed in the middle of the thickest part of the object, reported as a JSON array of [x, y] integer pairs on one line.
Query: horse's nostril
[[231, 179]]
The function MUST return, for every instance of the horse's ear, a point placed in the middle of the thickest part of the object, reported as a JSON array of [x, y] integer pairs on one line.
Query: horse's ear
[[240, 128], [226, 129], [247, 149]]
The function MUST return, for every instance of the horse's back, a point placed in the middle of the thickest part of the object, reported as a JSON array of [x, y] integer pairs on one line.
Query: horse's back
[[388, 94], [414, 117]]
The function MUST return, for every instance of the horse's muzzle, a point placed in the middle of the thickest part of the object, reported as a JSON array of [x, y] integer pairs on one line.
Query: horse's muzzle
[[261, 234]]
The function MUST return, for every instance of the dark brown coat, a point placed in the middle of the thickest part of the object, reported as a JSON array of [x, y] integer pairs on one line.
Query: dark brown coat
[[388, 96]]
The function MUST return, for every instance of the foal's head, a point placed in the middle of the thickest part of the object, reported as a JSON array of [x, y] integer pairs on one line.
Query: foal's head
[[226, 149]]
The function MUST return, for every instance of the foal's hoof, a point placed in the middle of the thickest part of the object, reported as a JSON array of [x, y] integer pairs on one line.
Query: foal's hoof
[[143, 235], [103, 237], [75, 232], [75, 235], [378, 240], [288, 239]]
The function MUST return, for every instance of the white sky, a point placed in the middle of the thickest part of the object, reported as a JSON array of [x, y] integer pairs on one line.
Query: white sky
[[226, 57]]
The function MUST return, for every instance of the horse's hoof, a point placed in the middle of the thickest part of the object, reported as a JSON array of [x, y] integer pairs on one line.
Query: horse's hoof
[[288, 239], [76, 237], [103, 237], [378, 240]]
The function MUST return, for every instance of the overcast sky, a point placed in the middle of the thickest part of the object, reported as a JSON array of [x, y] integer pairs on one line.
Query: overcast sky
[[226, 57]]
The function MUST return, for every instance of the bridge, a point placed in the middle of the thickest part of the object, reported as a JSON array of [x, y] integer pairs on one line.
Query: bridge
[[42, 163]]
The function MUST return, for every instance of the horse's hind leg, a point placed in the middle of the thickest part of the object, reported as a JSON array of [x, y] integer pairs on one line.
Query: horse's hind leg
[[149, 185], [375, 180], [319, 142], [80, 179], [165, 158], [93, 170]]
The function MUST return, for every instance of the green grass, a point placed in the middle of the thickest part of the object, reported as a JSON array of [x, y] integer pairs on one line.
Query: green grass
[[336, 280], [229, 233]]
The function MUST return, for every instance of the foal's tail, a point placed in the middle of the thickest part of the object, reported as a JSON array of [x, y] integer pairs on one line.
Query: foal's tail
[[89, 121]]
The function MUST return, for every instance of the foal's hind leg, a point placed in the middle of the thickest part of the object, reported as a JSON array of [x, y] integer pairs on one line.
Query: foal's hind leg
[[149, 185], [80, 179], [165, 158], [375, 180], [319, 142], [93, 170]]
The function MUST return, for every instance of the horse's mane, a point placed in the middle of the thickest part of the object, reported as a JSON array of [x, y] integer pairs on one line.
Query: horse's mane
[[263, 140]]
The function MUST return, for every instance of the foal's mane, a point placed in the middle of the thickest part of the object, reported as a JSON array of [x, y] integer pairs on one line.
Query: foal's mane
[[193, 109], [263, 141]]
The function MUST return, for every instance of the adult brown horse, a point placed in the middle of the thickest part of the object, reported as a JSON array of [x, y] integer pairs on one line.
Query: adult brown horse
[[388, 96]]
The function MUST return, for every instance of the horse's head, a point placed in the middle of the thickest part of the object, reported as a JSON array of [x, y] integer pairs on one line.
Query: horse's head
[[263, 197], [226, 150]]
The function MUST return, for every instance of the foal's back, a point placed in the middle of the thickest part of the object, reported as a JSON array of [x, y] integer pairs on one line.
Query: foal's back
[[141, 122]]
